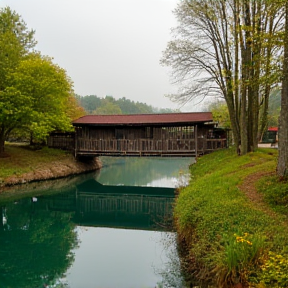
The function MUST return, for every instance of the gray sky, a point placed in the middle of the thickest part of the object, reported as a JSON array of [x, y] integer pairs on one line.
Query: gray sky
[[107, 47]]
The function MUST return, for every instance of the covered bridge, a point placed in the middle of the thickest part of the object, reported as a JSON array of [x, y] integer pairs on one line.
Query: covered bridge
[[174, 134]]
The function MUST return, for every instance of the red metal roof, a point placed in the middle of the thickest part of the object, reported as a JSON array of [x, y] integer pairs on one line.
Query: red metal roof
[[143, 119], [273, 129]]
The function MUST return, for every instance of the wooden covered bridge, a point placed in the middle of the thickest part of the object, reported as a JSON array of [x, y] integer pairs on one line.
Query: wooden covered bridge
[[173, 134]]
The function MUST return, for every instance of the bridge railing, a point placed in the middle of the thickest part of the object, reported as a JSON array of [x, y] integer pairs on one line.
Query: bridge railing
[[149, 145]]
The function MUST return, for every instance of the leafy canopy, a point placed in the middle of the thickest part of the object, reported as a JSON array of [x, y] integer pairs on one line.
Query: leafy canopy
[[40, 92], [35, 94]]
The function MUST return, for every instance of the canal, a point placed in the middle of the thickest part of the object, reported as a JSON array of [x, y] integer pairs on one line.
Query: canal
[[108, 229]]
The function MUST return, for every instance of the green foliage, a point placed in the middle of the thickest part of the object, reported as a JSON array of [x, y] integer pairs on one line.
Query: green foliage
[[213, 208], [130, 107], [47, 87], [35, 94], [15, 108], [275, 270], [220, 113], [89, 102], [242, 254], [108, 108], [15, 42], [108, 105], [275, 193], [209, 68], [47, 242], [274, 108], [73, 108]]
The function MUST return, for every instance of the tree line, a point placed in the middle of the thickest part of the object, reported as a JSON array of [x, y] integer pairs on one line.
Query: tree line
[[93, 104]]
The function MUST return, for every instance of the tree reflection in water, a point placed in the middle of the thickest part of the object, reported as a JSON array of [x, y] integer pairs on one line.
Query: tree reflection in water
[[171, 270], [36, 245]]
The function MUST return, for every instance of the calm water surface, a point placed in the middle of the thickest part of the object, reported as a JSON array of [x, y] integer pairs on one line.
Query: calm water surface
[[109, 229]]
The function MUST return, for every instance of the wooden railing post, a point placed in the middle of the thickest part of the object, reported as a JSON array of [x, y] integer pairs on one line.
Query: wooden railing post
[[196, 140], [204, 144]]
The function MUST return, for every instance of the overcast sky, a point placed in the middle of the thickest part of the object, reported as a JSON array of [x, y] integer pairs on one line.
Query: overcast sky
[[107, 47]]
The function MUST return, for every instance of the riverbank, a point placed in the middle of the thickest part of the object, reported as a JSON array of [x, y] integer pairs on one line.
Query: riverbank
[[232, 222], [23, 164]]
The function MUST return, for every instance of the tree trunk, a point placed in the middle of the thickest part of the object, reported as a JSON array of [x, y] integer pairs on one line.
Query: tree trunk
[[235, 108], [243, 145], [31, 138], [282, 167], [267, 90], [256, 67], [234, 121], [2, 143], [264, 112]]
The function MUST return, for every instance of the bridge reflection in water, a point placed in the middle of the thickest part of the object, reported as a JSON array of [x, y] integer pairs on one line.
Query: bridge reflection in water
[[131, 207]]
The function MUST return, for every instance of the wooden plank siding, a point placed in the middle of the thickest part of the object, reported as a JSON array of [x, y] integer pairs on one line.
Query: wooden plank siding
[[64, 141]]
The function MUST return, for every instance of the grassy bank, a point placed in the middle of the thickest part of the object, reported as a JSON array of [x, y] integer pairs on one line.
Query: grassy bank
[[25, 164], [232, 223], [21, 159]]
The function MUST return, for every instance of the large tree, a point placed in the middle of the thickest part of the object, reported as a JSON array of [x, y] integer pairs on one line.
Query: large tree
[[35, 93], [282, 167], [47, 89], [228, 49], [34, 99], [16, 41]]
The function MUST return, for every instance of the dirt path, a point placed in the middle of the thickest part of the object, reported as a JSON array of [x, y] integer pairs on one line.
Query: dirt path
[[249, 188]]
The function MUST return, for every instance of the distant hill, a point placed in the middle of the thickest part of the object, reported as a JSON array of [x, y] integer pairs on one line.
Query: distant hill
[[93, 104]]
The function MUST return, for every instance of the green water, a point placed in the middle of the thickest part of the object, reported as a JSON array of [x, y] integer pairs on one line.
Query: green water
[[108, 229]]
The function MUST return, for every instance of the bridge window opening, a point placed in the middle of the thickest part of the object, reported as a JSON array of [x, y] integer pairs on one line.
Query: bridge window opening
[[173, 132], [188, 132]]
